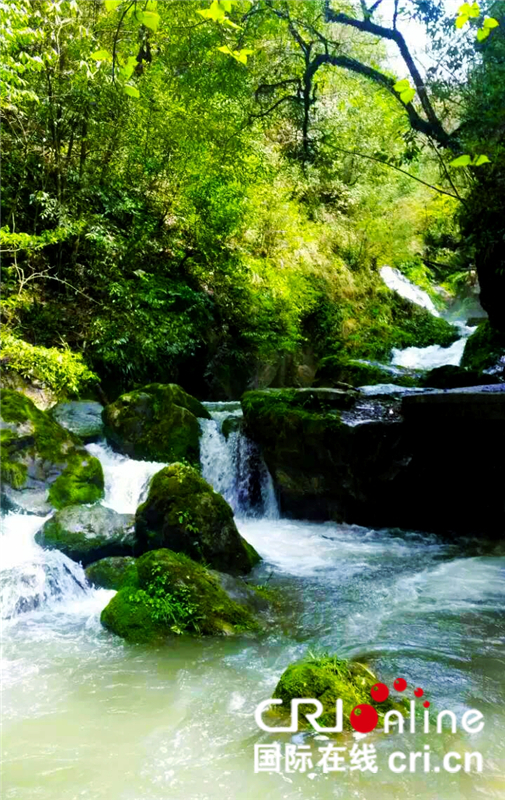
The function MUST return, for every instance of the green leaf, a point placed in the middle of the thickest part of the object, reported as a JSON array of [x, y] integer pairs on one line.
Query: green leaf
[[215, 12], [461, 161], [490, 22], [101, 55], [232, 24], [464, 9], [474, 10], [480, 160], [401, 86], [131, 91], [127, 71], [111, 5], [461, 21], [407, 96], [482, 34], [225, 49], [149, 18], [227, 4]]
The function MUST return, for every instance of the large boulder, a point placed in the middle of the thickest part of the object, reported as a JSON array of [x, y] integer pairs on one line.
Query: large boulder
[[112, 572], [87, 534], [329, 679], [183, 513], [156, 423], [82, 417], [44, 466], [174, 595]]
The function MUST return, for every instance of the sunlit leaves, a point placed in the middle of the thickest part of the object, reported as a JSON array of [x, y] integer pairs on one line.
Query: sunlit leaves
[[217, 12], [149, 18], [466, 12], [405, 90], [101, 55], [111, 5], [467, 161], [131, 91], [238, 55], [127, 70]]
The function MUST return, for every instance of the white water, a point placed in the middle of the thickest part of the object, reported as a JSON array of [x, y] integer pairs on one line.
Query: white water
[[423, 358], [396, 281], [87, 716]]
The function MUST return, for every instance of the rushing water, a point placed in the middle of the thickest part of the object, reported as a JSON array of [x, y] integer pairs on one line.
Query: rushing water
[[88, 716]]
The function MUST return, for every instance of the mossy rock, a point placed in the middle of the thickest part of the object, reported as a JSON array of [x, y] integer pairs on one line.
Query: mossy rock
[[82, 417], [452, 377], [485, 350], [44, 466], [113, 572], [174, 595], [338, 369], [231, 425], [156, 423], [184, 513], [328, 679], [87, 534]]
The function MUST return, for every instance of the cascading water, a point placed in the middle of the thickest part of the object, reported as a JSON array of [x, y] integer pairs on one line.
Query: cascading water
[[233, 465], [423, 358], [87, 716]]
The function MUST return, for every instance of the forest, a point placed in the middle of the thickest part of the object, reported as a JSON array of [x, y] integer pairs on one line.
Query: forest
[[206, 194]]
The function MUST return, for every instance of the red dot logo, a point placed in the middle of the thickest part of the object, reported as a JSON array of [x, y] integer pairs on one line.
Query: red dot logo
[[364, 718], [426, 704], [379, 692], [400, 684], [418, 692]]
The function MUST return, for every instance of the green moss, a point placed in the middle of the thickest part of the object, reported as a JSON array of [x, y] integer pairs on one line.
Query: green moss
[[114, 572], [174, 596], [81, 482], [158, 422], [484, 348], [184, 513], [339, 369], [328, 679], [30, 434]]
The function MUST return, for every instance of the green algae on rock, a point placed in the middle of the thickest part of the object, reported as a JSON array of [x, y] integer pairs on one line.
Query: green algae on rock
[[485, 350], [174, 595], [113, 572], [87, 534], [184, 513], [156, 423], [44, 466], [328, 679]]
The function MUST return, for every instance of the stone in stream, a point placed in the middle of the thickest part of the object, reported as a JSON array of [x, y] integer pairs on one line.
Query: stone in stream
[[174, 595], [112, 572], [44, 466], [87, 534], [183, 513], [156, 423], [329, 679], [82, 417]]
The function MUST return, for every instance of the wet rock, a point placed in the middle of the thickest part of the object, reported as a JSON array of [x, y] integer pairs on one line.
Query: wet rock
[[485, 351], [44, 466], [231, 425], [174, 595], [87, 534], [328, 679], [156, 423], [84, 418], [113, 572], [183, 513]]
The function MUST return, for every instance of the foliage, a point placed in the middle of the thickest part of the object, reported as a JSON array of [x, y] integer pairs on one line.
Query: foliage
[[61, 370]]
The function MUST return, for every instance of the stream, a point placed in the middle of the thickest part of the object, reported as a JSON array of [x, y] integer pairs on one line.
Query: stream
[[88, 716]]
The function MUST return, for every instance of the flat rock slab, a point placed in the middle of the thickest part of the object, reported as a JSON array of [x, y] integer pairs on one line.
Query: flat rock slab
[[473, 402]]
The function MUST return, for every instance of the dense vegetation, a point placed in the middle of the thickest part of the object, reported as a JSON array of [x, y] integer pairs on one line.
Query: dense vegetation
[[201, 197]]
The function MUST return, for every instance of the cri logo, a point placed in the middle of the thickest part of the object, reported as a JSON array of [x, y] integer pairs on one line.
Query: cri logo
[[364, 718]]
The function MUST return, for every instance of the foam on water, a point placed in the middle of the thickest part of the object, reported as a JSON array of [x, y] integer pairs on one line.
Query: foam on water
[[396, 281]]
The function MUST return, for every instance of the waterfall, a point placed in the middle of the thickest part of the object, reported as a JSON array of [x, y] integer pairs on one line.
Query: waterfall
[[423, 358], [31, 576], [396, 281], [233, 464]]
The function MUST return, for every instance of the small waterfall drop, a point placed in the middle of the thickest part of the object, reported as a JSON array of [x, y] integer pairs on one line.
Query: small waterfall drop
[[126, 480], [31, 576], [396, 281], [233, 464]]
